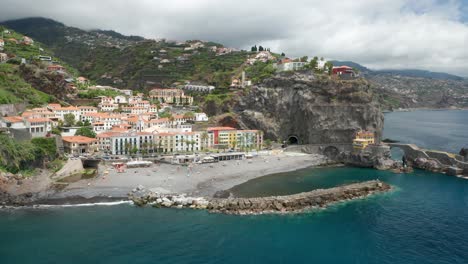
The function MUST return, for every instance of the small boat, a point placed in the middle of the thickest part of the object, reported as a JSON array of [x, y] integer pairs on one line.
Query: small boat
[[138, 164]]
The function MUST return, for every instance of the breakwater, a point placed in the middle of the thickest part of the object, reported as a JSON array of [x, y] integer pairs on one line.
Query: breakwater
[[263, 205]]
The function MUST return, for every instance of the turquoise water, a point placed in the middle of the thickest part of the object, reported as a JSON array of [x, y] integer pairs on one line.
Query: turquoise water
[[442, 130], [425, 220]]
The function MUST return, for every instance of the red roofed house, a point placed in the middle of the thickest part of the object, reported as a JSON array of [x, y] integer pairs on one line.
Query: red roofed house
[[55, 68], [80, 145], [344, 71]]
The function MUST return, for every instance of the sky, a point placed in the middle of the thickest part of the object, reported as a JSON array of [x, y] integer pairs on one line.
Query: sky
[[380, 34]]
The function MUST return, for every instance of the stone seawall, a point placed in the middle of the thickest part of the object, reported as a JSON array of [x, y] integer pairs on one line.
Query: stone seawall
[[265, 205]]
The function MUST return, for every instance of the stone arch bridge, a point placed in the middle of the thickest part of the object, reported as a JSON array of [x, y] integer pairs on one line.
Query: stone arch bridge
[[445, 159], [331, 150]]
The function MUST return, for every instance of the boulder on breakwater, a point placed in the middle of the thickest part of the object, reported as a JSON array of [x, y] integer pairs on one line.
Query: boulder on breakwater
[[274, 204]]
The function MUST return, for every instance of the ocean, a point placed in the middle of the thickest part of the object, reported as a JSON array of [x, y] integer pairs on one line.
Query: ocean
[[424, 220]]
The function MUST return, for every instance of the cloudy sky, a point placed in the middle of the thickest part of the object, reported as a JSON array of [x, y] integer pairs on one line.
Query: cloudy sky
[[424, 34]]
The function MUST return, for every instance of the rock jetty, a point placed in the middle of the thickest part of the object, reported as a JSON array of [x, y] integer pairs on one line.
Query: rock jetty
[[263, 205]]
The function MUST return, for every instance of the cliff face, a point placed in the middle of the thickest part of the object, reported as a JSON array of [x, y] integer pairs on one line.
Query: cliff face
[[313, 109]]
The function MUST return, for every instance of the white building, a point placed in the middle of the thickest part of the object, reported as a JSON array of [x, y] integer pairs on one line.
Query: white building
[[127, 92], [199, 88], [87, 109], [126, 143], [60, 112], [178, 142], [290, 66], [120, 99], [201, 117]]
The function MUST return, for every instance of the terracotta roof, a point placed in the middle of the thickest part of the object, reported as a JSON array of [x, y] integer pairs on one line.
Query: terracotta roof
[[159, 120], [54, 105], [85, 107], [220, 128], [165, 134], [13, 119], [79, 139], [66, 108], [38, 120], [119, 129], [107, 134]]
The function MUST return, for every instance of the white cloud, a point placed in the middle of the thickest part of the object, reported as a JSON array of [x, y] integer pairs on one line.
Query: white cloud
[[425, 34]]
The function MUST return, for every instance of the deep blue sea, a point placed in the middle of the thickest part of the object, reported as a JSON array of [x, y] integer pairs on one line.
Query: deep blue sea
[[425, 220]]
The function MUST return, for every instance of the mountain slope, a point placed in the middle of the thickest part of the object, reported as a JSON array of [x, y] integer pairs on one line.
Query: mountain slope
[[415, 88], [24, 77], [133, 62]]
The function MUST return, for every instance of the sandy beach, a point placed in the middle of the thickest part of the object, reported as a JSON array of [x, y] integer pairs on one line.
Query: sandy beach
[[200, 180]]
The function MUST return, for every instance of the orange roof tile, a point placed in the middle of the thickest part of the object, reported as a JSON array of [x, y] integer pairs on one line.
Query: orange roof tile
[[13, 119], [37, 120], [220, 128], [79, 139]]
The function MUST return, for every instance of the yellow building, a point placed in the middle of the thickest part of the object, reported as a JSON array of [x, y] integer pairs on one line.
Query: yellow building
[[363, 139]]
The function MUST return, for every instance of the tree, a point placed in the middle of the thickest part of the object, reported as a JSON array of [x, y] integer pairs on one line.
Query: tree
[[86, 132], [79, 123], [313, 63], [134, 150], [283, 55], [304, 59], [189, 115], [329, 67], [86, 123], [260, 48], [204, 138], [56, 131], [69, 120], [144, 148], [254, 48], [268, 143]]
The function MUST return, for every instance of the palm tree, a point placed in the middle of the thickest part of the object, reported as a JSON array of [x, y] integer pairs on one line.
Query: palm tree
[[204, 138], [144, 148]]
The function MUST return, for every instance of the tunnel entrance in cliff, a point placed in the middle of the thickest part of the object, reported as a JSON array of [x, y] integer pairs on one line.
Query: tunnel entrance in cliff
[[293, 140], [331, 152]]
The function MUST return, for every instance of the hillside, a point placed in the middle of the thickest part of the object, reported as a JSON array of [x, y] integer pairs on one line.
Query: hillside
[[110, 58], [415, 88], [14, 89], [24, 77], [133, 62]]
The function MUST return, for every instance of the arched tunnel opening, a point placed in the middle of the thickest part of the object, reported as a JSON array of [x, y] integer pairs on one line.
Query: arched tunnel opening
[[331, 152], [397, 153], [293, 140]]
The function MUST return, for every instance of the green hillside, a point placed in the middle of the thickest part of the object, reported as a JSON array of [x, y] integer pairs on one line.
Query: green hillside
[[14, 89], [131, 62], [29, 83]]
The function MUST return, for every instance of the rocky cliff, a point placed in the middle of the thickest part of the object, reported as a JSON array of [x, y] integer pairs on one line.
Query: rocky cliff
[[314, 109]]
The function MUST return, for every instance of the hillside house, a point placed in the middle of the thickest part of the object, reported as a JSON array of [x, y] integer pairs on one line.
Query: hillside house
[[171, 96], [56, 68], [287, 64], [61, 111], [82, 80], [120, 99], [27, 41], [78, 145], [199, 88], [3, 57], [344, 72]]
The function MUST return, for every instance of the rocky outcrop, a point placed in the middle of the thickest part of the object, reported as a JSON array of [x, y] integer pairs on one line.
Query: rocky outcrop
[[374, 156], [316, 109], [264, 205]]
